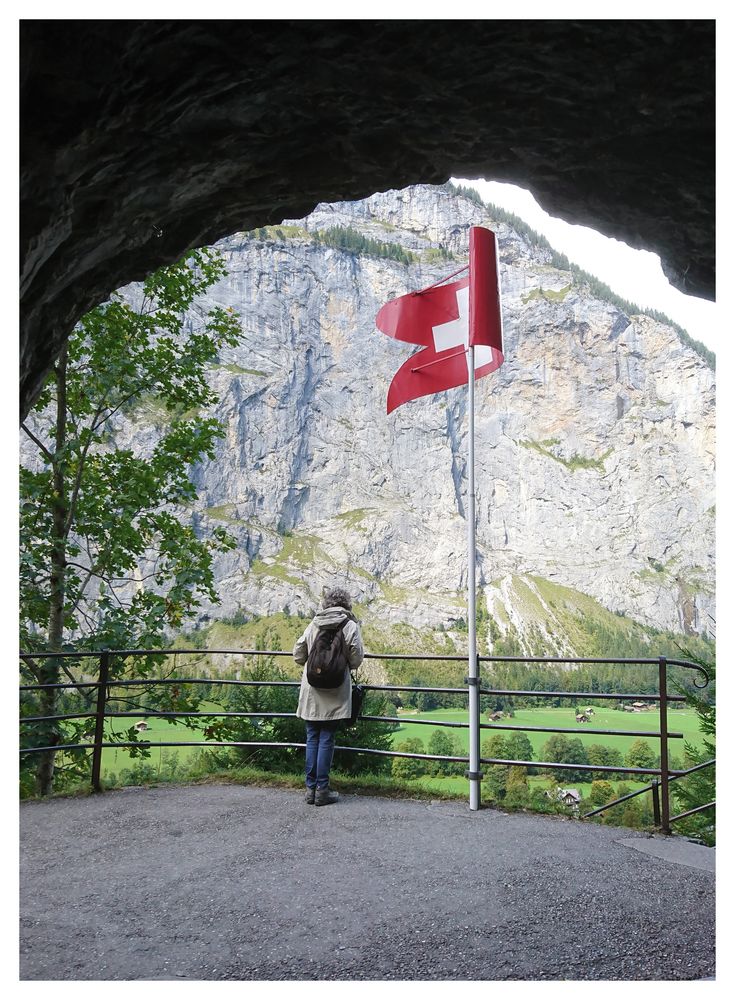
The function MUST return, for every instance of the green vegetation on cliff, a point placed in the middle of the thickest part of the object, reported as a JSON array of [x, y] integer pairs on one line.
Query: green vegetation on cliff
[[572, 463]]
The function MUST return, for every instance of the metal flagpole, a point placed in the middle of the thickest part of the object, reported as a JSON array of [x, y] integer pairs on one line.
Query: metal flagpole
[[473, 680]]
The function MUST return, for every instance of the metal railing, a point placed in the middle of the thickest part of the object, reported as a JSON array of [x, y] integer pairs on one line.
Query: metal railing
[[653, 788], [104, 684]]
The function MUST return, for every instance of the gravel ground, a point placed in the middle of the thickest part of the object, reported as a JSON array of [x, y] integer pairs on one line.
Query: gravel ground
[[222, 882]]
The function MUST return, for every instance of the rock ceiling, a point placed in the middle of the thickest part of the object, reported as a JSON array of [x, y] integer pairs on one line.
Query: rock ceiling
[[141, 139]]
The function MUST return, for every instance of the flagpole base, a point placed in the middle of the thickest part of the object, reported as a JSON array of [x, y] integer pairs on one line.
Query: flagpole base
[[474, 795], [475, 777]]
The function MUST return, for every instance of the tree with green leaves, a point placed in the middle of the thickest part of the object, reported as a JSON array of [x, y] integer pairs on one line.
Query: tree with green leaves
[[254, 696], [640, 754], [426, 701], [496, 775], [604, 756], [516, 790], [601, 792], [565, 750], [408, 768], [369, 736], [444, 744], [108, 557], [519, 747]]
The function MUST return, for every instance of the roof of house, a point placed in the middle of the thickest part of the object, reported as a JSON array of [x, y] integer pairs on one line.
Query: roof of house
[[571, 793]]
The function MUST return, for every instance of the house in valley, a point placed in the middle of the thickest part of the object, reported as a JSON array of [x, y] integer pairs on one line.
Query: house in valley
[[570, 797]]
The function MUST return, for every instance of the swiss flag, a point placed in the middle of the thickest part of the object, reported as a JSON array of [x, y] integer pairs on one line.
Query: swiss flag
[[446, 320]]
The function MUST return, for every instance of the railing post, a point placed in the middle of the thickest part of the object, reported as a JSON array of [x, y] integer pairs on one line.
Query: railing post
[[656, 803], [664, 728], [99, 726]]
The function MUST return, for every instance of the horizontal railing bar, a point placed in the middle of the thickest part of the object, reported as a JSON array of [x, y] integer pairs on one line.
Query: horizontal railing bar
[[537, 694], [584, 732], [59, 747], [697, 767], [582, 695], [152, 714], [147, 681], [401, 753], [585, 659], [540, 765], [403, 720], [456, 657], [144, 744], [154, 652], [410, 721], [545, 765], [55, 656], [690, 812], [43, 687], [630, 795], [428, 690], [56, 718], [202, 715], [673, 776], [143, 681], [459, 657], [449, 657], [250, 743]]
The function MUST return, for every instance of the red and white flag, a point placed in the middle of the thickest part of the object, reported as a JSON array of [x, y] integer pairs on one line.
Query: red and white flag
[[446, 320]]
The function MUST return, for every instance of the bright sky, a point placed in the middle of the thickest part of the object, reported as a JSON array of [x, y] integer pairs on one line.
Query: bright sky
[[635, 275]]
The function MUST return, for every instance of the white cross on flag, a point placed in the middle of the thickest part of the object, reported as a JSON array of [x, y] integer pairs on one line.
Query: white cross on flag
[[446, 319]]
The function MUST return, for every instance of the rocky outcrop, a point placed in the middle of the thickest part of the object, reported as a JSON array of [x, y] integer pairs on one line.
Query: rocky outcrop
[[595, 439]]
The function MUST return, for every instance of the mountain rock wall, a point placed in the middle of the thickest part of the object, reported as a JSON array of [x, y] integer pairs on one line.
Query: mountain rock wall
[[595, 440]]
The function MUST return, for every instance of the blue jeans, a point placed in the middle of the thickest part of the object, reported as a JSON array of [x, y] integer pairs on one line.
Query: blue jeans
[[319, 752]]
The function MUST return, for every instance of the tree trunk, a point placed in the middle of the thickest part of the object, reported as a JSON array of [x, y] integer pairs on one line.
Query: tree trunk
[[51, 668]]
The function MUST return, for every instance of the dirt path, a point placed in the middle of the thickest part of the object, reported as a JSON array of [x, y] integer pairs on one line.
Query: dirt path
[[213, 882]]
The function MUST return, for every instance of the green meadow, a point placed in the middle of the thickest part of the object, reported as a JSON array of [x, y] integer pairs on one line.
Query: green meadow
[[682, 721], [160, 731]]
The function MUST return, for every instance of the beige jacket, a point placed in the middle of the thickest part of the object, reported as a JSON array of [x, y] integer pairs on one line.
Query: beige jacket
[[320, 704]]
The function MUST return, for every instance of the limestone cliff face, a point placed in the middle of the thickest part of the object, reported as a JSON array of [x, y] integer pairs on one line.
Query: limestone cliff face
[[594, 441]]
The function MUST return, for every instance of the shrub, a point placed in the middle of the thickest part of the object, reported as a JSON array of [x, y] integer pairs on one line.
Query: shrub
[[408, 768], [601, 792]]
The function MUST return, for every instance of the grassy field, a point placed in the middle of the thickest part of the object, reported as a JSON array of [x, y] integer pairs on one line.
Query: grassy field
[[115, 761], [680, 721]]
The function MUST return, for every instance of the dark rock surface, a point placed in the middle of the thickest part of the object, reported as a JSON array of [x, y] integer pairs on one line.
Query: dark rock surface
[[143, 139], [225, 882]]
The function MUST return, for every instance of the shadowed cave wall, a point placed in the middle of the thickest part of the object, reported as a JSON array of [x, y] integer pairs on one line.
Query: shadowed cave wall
[[142, 139]]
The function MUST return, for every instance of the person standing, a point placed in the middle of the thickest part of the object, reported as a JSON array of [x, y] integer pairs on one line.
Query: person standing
[[321, 708]]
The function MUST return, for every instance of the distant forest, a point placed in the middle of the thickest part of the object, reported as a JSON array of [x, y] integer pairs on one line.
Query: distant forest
[[343, 238], [580, 278]]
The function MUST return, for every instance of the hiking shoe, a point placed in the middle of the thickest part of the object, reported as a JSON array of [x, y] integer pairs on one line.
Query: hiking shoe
[[325, 797], [309, 797]]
